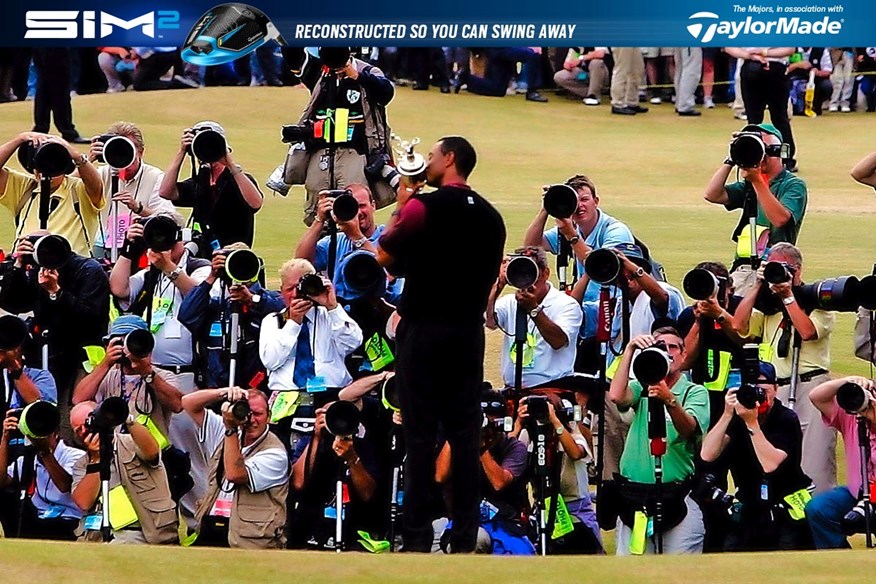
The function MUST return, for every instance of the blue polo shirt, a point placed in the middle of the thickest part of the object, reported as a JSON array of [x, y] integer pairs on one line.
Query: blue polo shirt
[[608, 232], [44, 382], [345, 248]]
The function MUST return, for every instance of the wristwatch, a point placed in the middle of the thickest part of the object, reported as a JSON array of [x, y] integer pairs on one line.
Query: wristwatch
[[559, 431], [80, 161], [359, 243], [574, 240], [256, 298], [534, 312], [639, 273], [721, 318], [175, 273], [229, 432], [672, 403], [54, 295], [789, 300], [149, 377]]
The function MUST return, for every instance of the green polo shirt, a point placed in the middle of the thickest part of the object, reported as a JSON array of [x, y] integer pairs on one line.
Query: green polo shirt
[[637, 464], [791, 192]]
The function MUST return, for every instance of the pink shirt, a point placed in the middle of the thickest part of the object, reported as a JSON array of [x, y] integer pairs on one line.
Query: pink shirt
[[847, 425]]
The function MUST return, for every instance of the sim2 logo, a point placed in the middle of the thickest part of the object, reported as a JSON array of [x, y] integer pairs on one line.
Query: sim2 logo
[[75, 24], [705, 26]]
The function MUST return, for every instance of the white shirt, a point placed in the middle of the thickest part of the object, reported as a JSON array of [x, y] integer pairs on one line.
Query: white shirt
[[173, 341], [547, 363], [143, 188], [266, 469], [333, 336], [46, 494]]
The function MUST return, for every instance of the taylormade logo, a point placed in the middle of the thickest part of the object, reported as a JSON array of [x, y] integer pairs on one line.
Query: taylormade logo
[[705, 26]]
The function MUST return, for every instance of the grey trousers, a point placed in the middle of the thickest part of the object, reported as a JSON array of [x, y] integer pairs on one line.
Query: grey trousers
[[688, 71], [629, 66]]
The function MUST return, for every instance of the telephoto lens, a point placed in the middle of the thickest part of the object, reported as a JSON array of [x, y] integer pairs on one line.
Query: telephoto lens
[[560, 201], [118, 152], [139, 343], [603, 266], [521, 272], [747, 149], [853, 398], [777, 272], [310, 285], [537, 408], [109, 414], [51, 251], [240, 410], [750, 396], [208, 145], [50, 159], [345, 207], [651, 366], [342, 418], [161, 233], [700, 284], [241, 266]]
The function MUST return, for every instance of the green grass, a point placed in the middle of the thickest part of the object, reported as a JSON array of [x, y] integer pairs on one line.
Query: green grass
[[58, 562], [650, 172]]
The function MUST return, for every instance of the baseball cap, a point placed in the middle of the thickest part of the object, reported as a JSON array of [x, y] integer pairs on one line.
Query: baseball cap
[[216, 127], [125, 324], [764, 127], [634, 253], [767, 371]]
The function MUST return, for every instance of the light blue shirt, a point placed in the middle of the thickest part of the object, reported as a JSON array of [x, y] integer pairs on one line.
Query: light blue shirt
[[607, 233], [345, 248], [44, 381]]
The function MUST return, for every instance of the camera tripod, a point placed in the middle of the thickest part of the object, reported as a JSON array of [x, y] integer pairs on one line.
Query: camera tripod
[[657, 439], [106, 455], [547, 469], [865, 494], [114, 243], [45, 197], [398, 470], [564, 254]]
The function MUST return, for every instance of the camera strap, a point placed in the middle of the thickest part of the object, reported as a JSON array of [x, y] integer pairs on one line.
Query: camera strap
[[749, 210]]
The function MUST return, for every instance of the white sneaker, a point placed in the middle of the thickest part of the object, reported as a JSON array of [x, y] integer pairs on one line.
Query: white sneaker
[[833, 108], [275, 181], [709, 103], [591, 101], [846, 109], [740, 116], [656, 101]]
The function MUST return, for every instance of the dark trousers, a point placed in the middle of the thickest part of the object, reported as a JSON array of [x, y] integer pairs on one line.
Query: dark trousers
[[501, 67], [767, 87], [763, 532], [52, 98], [440, 373], [429, 63], [147, 75]]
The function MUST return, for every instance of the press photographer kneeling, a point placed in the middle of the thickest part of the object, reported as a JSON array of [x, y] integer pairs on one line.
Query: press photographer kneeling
[[671, 414], [248, 471], [761, 441]]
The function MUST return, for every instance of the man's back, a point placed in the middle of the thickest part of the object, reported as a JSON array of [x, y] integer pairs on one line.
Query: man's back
[[450, 255]]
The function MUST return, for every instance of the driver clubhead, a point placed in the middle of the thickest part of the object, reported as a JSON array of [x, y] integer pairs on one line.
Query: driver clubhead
[[228, 32]]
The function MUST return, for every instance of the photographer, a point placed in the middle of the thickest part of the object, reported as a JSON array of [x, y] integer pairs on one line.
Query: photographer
[[360, 233], [574, 484], [245, 503], [138, 187], [151, 396], [25, 384], [145, 511], [350, 93], [828, 513], [762, 443], [552, 325], [157, 293], [206, 313], [768, 192], [70, 307], [319, 459], [502, 486], [777, 326], [713, 347], [304, 346], [224, 198], [49, 513], [687, 417], [587, 229], [75, 201]]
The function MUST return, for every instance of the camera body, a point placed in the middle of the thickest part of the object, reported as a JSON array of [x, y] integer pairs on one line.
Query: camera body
[[309, 285], [521, 271], [50, 159], [208, 145], [702, 284], [560, 201], [603, 266], [854, 399], [750, 396], [242, 266], [112, 412], [707, 492], [345, 207], [294, 133], [778, 272], [241, 411]]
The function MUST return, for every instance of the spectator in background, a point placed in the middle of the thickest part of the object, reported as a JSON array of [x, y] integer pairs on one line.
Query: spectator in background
[[811, 59], [584, 73], [117, 64], [501, 66], [866, 58], [153, 63], [688, 70], [709, 55], [629, 66], [429, 65], [842, 79]]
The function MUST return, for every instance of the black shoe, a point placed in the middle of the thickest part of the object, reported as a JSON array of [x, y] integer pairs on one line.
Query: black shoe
[[533, 95], [689, 113], [445, 89], [78, 140], [420, 86], [623, 110], [460, 81], [639, 109]]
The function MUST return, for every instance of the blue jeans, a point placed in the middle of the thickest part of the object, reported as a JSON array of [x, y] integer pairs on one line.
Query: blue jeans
[[825, 513]]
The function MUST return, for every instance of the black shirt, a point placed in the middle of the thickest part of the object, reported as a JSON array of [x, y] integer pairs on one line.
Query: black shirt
[[781, 429], [448, 244], [228, 215]]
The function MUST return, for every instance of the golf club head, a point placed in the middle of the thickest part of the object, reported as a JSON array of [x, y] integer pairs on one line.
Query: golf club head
[[227, 32]]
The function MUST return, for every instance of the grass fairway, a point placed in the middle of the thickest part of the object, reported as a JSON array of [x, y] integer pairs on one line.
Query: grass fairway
[[650, 171], [58, 562]]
